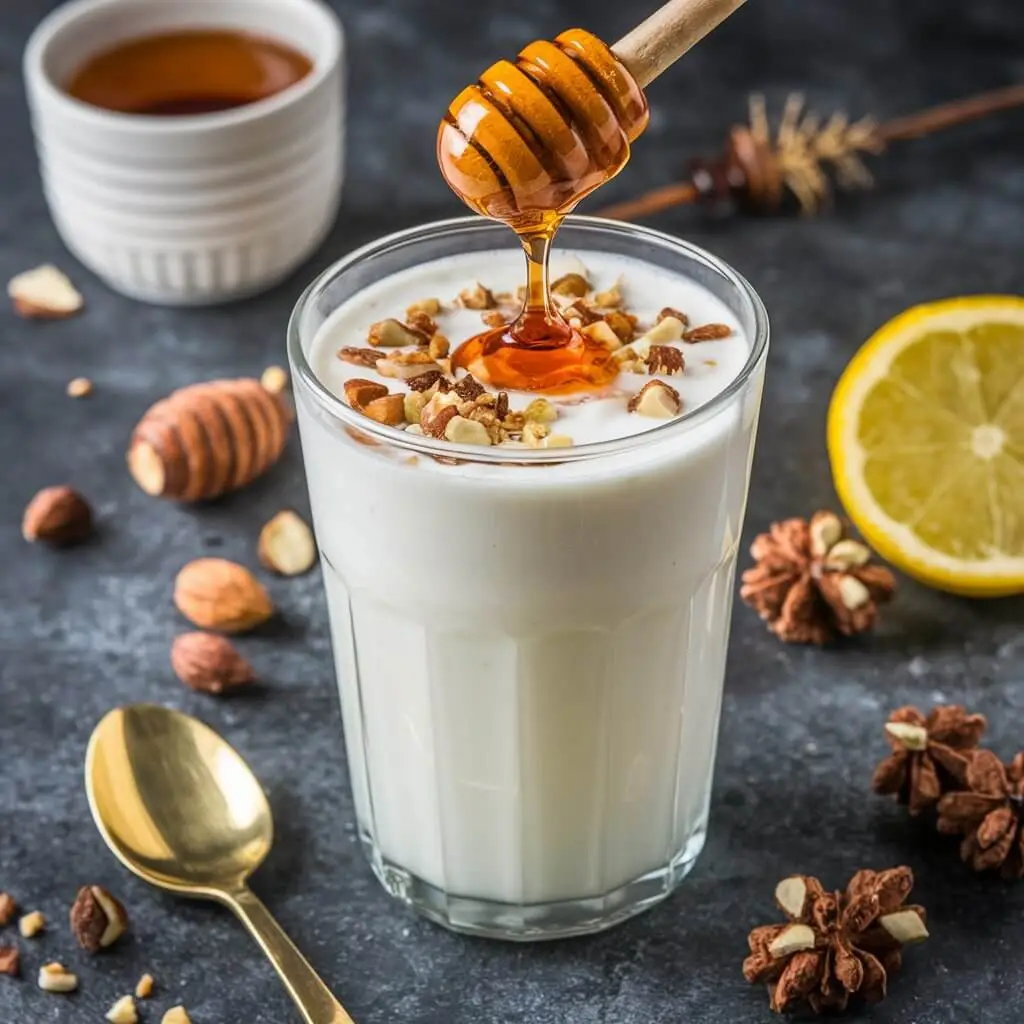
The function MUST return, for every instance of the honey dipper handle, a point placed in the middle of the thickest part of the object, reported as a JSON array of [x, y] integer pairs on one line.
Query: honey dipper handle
[[668, 33]]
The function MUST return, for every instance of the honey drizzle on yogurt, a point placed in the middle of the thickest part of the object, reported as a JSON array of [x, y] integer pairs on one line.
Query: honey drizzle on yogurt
[[524, 145]]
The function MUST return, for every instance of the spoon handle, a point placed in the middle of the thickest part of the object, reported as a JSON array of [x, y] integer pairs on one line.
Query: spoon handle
[[311, 995]]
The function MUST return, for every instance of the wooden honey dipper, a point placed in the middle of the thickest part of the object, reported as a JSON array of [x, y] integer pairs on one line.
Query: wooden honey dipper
[[532, 137], [526, 143]]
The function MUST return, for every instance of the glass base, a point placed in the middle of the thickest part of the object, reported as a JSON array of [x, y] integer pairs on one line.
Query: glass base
[[537, 921]]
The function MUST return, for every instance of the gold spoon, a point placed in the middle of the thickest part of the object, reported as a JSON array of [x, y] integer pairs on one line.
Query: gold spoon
[[180, 808]]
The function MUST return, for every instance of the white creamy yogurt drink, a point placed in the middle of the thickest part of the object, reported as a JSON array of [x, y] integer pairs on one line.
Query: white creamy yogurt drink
[[530, 630]]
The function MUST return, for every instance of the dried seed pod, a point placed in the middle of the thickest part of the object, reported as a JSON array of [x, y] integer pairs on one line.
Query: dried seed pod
[[207, 439]]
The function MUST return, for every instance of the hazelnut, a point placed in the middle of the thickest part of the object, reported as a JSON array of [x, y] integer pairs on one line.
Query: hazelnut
[[98, 919], [57, 515], [209, 663], [144, 988]]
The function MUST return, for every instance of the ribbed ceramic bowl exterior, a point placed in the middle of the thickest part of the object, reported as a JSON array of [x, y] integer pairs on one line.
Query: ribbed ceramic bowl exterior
[[190, 210]]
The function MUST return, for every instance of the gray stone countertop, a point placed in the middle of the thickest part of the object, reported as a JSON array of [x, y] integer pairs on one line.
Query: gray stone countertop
[[83, 630]]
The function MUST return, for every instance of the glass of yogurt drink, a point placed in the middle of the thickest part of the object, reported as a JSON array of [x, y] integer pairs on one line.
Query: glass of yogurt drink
[[530, 636]]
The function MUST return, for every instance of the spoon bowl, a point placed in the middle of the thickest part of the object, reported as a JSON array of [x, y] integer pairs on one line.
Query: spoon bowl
[[175, 802], [179, 807]]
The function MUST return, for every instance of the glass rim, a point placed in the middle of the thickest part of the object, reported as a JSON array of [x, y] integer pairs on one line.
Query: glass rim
[[422, 445]]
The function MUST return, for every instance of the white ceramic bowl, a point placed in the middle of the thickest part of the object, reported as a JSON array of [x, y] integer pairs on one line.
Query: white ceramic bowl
[[198, 209]]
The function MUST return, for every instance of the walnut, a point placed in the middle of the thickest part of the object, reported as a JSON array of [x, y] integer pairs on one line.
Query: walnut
[[98, 919]]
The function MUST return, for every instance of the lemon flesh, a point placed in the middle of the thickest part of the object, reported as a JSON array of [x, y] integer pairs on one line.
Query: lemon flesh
[[926, 439]]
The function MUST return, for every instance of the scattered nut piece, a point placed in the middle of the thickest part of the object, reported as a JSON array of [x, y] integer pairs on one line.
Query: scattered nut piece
[[404, 365], [79, 387], [668, 311], [556, 441], [668, 329], [274, 379], [389, 410], [98, 919], [58, 515], [580, 311], [31, 925], [414, 428], [477, 297], [424, 323], [665, 359], [176, 1015], [144, 989], [575, 285], [535, 433], [434, 419], [601, 332], [540, 410], [623, 324], [123, 1011], [214, 593], [657, 400], [611, 298], [286, 545], [209, 663], [439, 347], [424, 381], [8, 909], [57, 978], [707, 332], [413, 406], [469, 388], [392, 333], [431, 307], [44, 294], [494, 318], [10, 961], [367, 357], [460, 430], [359, 392]]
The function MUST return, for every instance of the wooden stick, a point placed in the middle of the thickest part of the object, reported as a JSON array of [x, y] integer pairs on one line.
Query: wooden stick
[[668, 33]]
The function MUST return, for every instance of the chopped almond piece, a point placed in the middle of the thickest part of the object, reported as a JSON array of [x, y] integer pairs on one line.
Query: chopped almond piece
[[424, 323], [31, 925], [360, 392], [389, 410], [56, 977], [601, 332], [429, 306], [494, 318], [540, 410], [460, 430], [477, 297], [79, 387], [665, 359], [623, 324], [575, 285], [403, 365], [393, 333], [535, 433], [176, 1015], [10, 961], [44, 294], [609, 299], [123, 1011], [144, 989], [669, 328], [439, 347], [657, 400]]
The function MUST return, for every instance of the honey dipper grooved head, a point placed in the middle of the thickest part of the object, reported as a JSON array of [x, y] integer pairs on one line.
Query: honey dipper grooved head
[[533, 137]]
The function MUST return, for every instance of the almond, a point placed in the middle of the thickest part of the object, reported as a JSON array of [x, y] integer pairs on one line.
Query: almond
[[44, 294], [209, 663], [214, 593], [57, 515], [98, 918], [389, 410], [575, 285], [286, 545], [602, 333], [668, 328], [393, 333], [359, 392], [657, 400]]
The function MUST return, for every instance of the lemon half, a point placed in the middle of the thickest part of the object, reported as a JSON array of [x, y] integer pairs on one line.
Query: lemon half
[[926, 440]]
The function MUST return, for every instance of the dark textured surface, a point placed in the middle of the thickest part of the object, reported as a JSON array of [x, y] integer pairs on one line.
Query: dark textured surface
[[86, 629]]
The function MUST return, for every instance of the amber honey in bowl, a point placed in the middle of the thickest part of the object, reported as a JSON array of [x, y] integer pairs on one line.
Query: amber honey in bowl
[[188, 72]]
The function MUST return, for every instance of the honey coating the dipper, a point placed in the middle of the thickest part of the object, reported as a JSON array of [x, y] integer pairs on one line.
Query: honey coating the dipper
[[524, 145]]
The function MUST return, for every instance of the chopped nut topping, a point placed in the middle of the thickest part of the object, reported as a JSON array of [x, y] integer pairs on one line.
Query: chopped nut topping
[[707, 332], [123, 1012], [360, 392], [469, 388], [431, 307], [414, 402], [600, 331], [534, 433], [501, 405], [668, 311], [144, 989], [439, 347], [424, 381], [575, 285], [367, 357], [657, 400], [31, 924], [424, 323], [668, 329], [477, 297], [540, 410], [414, 428], [556, 441], [97, 918], [56, 978], [665, 359], [623, 324], [494, 318], [392, 333], [460, 430], [286, 544], [437, 412], [10, 961], [403, 365], [176, 1015], [79, 387], [274, 379], [579, 310], [611, 298], [389, 410], [8, 909], [44, 293]]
